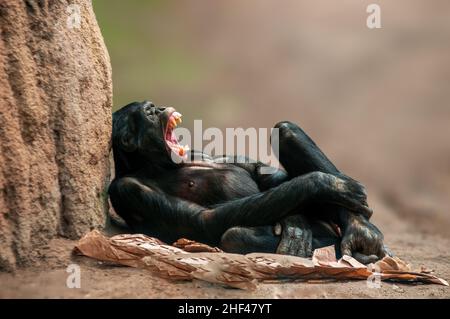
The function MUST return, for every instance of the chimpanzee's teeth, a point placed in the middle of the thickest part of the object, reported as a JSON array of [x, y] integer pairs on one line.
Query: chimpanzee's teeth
[[176, 115], [175, 119]]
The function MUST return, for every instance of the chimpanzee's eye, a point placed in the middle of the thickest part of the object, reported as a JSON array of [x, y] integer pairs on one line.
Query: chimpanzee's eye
[[148, 110]]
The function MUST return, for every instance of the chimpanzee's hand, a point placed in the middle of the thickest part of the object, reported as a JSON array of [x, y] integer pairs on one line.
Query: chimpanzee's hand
[[342, 190], [362, 240]]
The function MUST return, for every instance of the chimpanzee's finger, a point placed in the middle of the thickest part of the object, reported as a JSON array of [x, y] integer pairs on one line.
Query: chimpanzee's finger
[[346, 247], [381, 252], [283, 246], [366, 212], [304, 243], [355, 206], [288, 246], [365, 259], [362, 209]]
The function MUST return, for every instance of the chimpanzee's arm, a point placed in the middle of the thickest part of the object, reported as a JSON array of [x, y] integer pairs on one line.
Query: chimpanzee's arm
[[148, 210], [151, 211], [270, 206]]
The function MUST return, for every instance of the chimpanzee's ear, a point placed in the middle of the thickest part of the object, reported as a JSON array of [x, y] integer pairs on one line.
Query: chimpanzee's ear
[[129, 137], [128, 142]]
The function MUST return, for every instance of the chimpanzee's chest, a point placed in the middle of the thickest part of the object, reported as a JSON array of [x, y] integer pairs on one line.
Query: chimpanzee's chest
[[208, 185]]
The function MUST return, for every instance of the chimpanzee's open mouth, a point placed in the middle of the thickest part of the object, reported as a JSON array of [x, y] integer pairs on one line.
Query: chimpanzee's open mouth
[[169, 135]]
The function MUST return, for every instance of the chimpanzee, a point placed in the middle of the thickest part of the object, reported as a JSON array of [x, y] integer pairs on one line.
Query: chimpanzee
[[229, 203]]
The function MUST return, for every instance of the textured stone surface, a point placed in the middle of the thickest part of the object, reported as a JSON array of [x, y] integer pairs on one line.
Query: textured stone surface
[[55, 122]]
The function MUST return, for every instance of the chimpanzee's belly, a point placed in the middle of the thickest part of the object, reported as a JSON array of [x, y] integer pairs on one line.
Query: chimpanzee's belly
[[208, 185]]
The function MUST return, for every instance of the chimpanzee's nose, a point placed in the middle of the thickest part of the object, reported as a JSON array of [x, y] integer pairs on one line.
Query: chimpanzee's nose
[[160, 110]]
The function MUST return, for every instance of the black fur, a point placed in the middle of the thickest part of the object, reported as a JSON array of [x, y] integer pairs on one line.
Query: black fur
[[233, 205]]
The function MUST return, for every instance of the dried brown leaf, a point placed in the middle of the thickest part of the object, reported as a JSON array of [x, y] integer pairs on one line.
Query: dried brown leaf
[[239, 271]]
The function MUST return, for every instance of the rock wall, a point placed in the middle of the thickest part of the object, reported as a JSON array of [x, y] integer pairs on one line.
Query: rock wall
[[55, 122]]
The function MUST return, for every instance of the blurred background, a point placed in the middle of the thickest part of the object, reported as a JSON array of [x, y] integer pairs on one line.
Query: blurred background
[[375, 100]]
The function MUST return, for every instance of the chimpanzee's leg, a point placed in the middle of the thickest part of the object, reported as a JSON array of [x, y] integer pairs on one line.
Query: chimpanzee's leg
[[299, 155]]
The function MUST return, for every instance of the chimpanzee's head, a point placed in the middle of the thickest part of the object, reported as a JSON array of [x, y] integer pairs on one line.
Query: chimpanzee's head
[[143, 134]]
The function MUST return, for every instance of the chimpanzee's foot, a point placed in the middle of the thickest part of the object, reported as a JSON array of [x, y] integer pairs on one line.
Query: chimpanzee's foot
[[300, 236], [296, 237]]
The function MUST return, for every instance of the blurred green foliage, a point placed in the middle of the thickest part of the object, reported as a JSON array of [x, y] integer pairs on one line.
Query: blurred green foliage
[[149, 60]]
